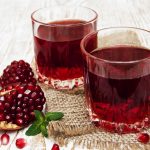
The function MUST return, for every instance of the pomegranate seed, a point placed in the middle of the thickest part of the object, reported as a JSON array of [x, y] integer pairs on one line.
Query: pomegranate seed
[[21, 89], [43, 100], [9, 98], [55, 147], [2, 117], [25, 110], [39, 107], [37, 101], [143, 138], [21, 62], [19, 103], [41, 94], [8, 118], [13, 109], [31, 87], [1, 106], [24, 105], [34, 95], [19, 115], [19, 109], [5, 139], [25, 100], [30, 101], [7, 105], [31, 108], [21, 143], [19, 122], [26, 117], [13, 116]]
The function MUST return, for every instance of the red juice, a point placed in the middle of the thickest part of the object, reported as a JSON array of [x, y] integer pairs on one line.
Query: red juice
[[57, 49], [117, 99]]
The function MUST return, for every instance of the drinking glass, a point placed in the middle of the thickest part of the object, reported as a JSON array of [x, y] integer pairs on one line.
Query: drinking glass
[[57, 34], [117, 78]]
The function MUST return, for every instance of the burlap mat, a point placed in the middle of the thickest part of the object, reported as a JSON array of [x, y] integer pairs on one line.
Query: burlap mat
[[76, 126]]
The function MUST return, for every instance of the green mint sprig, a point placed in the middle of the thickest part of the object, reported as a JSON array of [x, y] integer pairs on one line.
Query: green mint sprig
[[41, 122]]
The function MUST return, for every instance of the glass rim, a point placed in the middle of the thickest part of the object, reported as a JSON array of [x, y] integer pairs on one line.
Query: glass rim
[[83, 50], [57, 25]]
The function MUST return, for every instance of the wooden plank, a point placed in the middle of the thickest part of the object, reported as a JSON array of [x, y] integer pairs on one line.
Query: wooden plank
[[16, 36]]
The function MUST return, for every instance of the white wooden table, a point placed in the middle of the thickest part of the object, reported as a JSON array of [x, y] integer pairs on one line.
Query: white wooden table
[[16, 36]]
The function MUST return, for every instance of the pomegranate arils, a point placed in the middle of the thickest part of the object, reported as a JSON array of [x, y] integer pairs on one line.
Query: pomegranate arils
[[8, 118], [9, 98], [2, 117], [55, 147], [20, 143], [19, 115], [7, 105], [18, 71], [19, 109], [25, 110], [26, 117], [19, 122], [34, 95], [13, 108], [143, 138], [5, 139], [31, 87], [30, 102], [13, 116], [39, 107], [43, 100], [25, 100], [1, 105], [37, 101], [22, 103]]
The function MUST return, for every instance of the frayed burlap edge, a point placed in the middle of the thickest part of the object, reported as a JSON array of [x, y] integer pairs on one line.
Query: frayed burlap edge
[[86, 141]]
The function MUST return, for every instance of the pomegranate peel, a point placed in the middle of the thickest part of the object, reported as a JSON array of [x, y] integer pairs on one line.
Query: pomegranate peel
[[8, 126]]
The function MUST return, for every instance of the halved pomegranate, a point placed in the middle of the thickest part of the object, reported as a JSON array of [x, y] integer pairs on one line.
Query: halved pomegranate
[[17, 105]]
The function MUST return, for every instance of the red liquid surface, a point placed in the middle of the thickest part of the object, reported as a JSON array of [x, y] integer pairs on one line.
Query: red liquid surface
[[119, 100], [57, 49]]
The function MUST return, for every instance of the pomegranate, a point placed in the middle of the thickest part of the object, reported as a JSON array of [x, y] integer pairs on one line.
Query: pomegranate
[[17, 71]]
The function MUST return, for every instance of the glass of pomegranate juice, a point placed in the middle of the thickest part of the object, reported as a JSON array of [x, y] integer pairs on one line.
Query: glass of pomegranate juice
[[117, 78], [57, 34]]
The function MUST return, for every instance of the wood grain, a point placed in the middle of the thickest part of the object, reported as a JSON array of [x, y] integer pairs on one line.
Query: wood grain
[[16, 36]]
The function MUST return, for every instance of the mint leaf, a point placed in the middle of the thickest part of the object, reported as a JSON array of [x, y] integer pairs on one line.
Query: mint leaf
[[41, 122], [34, 129], [39, 115], [53, 116], [44, 130]]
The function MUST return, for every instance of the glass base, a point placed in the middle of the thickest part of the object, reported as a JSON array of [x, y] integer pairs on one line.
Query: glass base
[[61, 84], [120, 128]]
